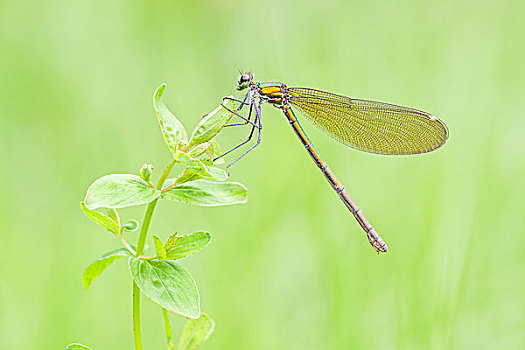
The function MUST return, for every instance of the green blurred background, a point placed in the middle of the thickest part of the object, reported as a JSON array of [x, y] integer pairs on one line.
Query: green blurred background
[[291, 269]]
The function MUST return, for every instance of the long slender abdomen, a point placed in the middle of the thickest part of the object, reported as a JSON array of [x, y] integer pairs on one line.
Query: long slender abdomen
[[373, 237]]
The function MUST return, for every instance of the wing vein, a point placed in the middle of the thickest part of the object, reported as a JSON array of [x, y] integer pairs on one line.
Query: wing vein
[[368, 125]]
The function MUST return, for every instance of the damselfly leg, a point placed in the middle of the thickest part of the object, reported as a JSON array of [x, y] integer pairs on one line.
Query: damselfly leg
[[257, 107], [254, 107], [236, 112]]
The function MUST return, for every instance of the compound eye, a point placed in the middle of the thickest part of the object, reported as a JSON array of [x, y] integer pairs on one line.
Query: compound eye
[[244, 80]]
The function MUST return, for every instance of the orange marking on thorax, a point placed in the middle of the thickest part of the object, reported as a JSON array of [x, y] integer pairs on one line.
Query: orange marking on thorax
[[273, 93]]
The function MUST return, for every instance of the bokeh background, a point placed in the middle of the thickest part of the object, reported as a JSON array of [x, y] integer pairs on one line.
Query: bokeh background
[[291, 269]]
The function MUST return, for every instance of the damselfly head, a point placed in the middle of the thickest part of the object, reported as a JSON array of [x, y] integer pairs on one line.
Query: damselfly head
[[245, 80]]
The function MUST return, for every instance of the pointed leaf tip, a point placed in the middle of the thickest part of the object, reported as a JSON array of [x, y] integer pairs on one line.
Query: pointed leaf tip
[[172, 129], [212, 123], [107, 222], [98, 266], [178, 247], [159, 247]]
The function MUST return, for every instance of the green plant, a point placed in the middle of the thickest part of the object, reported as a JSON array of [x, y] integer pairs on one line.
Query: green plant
[[159, 277]]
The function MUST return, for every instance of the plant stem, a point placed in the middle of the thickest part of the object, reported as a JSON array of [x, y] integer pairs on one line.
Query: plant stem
[[140, 249], [167, 326], [149, 211], [170, 187], [136, 317], [145, 227], [126, 244]]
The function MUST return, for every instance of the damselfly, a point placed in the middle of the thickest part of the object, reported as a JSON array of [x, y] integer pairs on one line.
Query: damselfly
[[368, 126]]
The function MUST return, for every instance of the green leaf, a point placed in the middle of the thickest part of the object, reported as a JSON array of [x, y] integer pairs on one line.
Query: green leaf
[[76, 346], [216, 173], [98, 266], [181, 246], [206, 193], [167, 284], [101, 219], [196, 332], [169, 243], [189, 174], [199, 149], [207, 161], [119, 191], [159, 247], [113, 213], [185, 159], [211, 124], [215, 151], [172, 129], [131, 226], [201, 171], [195, 169]]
